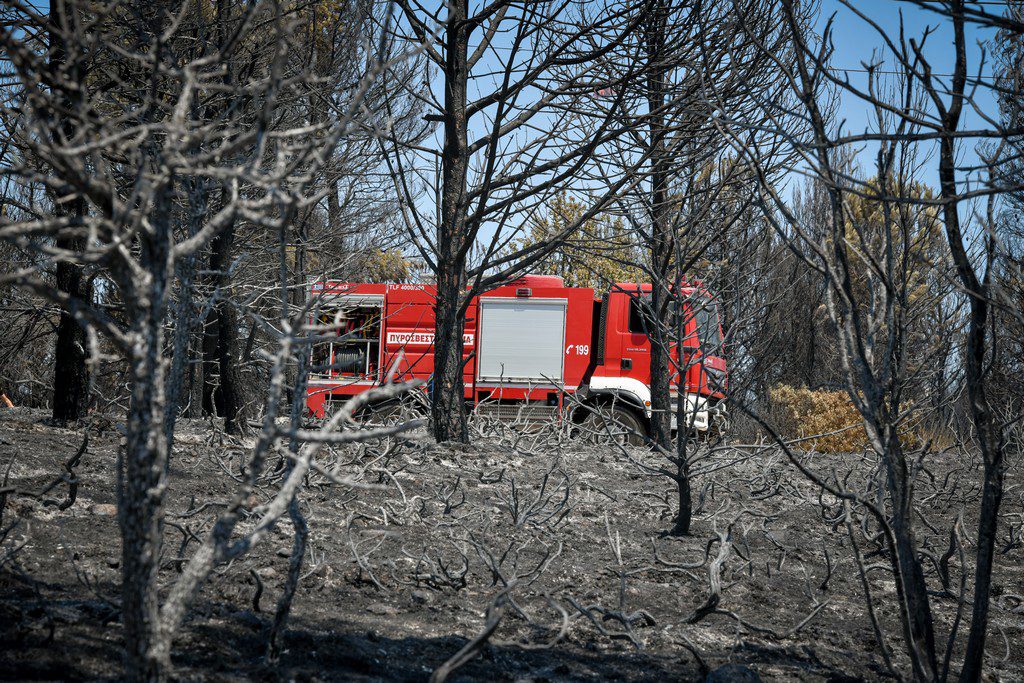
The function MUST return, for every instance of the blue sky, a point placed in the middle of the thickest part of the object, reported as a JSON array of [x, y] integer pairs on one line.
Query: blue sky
[[854, 40]]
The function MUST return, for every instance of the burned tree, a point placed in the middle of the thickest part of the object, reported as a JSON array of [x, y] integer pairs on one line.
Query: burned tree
[[141, 141], [500, 153], [872, 270], [70, 374], [701, 62]]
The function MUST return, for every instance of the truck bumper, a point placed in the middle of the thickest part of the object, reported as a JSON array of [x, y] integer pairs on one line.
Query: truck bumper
[[700, 416]]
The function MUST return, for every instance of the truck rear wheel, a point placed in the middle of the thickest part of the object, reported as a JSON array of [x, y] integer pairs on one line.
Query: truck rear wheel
[[617, 423]]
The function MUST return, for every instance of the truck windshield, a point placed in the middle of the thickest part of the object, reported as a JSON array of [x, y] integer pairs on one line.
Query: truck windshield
[[705, 314], [708, 329]]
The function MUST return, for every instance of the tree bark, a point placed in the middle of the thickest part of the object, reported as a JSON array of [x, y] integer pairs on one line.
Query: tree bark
[[178, 384], [448, 407], [194, 374], [684, 516], [70, 372], [663, 290], [142, 478], [224, 397], [910, 583], [333, 209], [220, 347], [448, 403], [989, 433], [211, 369], [140, 515]]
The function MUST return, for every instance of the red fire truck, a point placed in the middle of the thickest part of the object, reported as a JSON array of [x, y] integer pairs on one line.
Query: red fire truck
[[532, 345]]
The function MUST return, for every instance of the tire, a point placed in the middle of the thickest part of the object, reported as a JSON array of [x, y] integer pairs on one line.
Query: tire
[[617, 423]]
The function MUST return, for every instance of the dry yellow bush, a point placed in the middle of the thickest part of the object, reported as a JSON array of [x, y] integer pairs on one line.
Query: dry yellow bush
[[801, 413]]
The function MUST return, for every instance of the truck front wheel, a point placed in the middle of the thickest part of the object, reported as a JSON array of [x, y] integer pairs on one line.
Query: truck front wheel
[[617, 423]]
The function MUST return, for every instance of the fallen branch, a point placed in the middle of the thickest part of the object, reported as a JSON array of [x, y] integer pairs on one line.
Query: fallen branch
[[495, 613]]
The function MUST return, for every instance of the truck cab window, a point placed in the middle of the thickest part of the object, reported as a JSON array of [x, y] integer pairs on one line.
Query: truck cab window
[[639, 314]]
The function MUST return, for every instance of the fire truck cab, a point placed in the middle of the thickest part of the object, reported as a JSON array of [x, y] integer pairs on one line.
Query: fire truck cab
[[531, 346]]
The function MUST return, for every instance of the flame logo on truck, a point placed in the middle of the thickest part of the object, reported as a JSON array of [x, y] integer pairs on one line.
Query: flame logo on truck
[[421, 338]]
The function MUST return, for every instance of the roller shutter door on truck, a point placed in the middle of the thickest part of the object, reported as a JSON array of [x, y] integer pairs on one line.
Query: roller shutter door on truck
[[521, 340]]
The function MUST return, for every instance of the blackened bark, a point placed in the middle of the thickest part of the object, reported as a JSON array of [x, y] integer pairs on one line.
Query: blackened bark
[[211, 370], [178, 386], [284, 604], [333, 210], [223, 397], [990, 437], [684, 516], [448, 404], [297, 297], [140, 516], [194, 374], [222, 387], [70, 372], [663, 290], [988, 521], [232, 398], [910, 582], [448, 409]]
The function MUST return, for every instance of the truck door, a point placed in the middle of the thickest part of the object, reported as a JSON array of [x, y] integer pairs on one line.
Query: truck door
[[626, 341], [634, 344], [703, 346]]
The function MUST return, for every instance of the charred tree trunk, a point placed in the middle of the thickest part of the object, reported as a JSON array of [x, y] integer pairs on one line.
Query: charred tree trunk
[[70, 372], [232, 398], [333, 209], [684, 517], [176, 380], [297, 298], [178, 384], [992, 444], [211, 370], [910, 584], [142, 476], [140, 515], [220, 346], [194, 375], [448, 407], [223, 397], [990, 436], [989, 433], [448, 404], [661, 239]]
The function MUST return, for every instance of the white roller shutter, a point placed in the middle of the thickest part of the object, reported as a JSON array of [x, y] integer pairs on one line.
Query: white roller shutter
[[521, 340]]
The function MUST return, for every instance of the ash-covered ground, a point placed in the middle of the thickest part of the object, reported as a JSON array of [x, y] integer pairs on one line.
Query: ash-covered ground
[[564, 539]]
